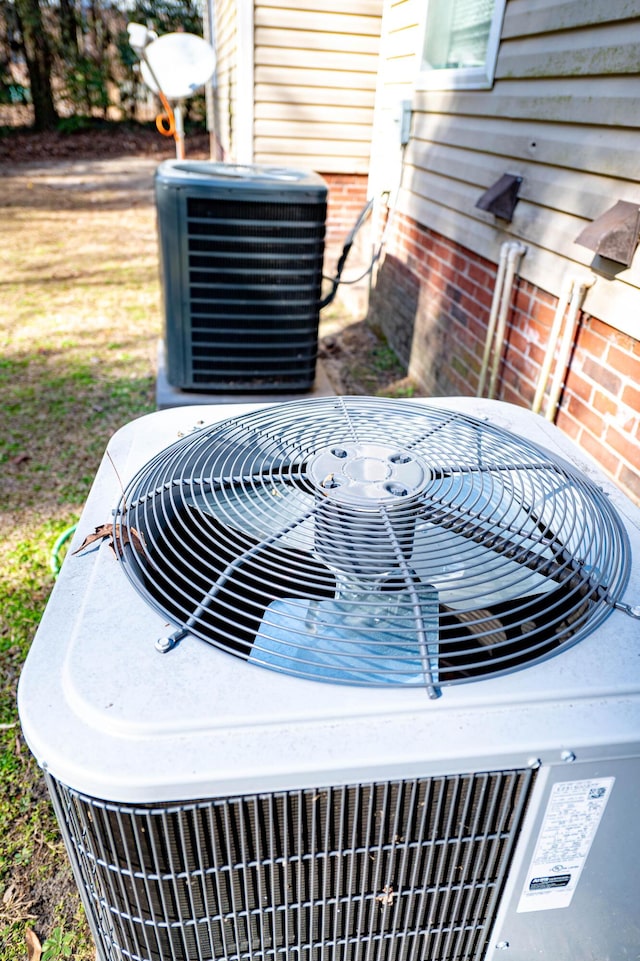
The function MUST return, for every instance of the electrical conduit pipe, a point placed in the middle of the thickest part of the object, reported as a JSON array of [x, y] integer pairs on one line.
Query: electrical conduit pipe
[[511, 252], [580, 287], [554, 334]]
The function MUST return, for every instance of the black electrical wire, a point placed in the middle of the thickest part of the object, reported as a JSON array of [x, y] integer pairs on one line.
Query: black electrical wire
[[348, 244]]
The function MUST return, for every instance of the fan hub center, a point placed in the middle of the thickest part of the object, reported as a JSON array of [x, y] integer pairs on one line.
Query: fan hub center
[[361, 474], [364, 470]]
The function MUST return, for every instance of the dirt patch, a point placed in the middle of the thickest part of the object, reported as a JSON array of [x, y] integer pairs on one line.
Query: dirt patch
[[357, 360], [98, 141]]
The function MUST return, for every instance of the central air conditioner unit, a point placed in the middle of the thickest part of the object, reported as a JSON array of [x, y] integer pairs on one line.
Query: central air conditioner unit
[[352, 679], [241, 253]]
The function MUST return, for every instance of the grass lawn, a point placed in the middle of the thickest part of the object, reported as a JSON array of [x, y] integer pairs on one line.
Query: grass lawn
[[79, 326]]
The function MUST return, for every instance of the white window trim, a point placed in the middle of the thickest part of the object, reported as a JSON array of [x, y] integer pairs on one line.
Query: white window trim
[[464, 78]]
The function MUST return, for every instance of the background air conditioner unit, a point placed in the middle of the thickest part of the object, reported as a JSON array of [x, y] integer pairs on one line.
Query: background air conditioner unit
[[241, 252], [355, 679]]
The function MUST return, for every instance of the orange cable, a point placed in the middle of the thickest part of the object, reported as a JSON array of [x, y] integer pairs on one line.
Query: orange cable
[[166, 122]]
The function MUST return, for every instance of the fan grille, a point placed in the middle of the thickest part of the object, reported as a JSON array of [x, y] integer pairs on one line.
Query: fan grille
[[372, 541]]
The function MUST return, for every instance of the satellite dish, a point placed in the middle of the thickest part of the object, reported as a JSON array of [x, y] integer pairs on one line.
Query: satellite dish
[[178, 63]]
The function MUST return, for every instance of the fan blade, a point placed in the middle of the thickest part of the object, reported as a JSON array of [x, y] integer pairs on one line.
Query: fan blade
[[218, 583]]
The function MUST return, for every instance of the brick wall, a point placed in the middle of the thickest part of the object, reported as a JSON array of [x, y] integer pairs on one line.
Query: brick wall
[[432, 298], [347, 197]]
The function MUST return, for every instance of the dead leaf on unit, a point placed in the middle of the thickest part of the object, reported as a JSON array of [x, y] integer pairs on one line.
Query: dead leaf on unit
[[387, 896], [131, 536], [123, 536], [99, 534], [34, 948]]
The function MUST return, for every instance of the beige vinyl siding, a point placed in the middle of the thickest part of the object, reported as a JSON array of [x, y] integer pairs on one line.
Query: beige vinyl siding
[[225, 93], [564, 114], [527, 18], [587, 52], [315, 73]]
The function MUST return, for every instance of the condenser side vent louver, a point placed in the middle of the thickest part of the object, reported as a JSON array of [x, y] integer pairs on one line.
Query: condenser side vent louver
[[395, 870], [241, 252]]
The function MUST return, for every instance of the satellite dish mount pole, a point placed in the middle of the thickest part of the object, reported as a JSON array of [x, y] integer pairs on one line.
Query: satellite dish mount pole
[[174, 67], [179, 129]]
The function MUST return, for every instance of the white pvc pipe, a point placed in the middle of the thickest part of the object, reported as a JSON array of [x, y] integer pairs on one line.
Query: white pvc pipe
[[554, 334], [514, 254], [179, 134], [493, 316], [580, 288]]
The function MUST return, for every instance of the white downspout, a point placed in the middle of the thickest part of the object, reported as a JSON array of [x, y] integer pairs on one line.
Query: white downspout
[[244, 105], [580, 287], [210, 88], [510, 254]]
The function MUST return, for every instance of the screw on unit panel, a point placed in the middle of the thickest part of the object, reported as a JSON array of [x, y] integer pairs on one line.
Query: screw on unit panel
[[165, 644], [502, 945], [567, 756]]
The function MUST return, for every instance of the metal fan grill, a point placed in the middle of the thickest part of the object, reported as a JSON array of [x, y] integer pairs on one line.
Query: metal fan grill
[[371, 541]]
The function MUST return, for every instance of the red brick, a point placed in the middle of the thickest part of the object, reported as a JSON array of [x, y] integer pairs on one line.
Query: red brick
[[568, 425], [523, 366], [631, 397], [625, 445], [585, 415], [623, 341], [522, 299], [471, 362], [481, 275], [441, 251], [510, 395], [464, 282], [509, 377], [624, 363], [484, 299], [526, 389], [604, 376], [582, 389], [604, 403], [537, 354], [478, 323], [519, 342], [608, 461], [630, 480], [599, 327], [542, 314], [591, 343]]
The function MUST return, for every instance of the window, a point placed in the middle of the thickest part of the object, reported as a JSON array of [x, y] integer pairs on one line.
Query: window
[[461, 43]]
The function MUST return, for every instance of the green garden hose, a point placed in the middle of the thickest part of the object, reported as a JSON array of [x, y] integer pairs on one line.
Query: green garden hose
[[55, 563]]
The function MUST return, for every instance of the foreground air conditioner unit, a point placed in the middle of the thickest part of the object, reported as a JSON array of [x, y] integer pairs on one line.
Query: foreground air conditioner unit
[[350, 678], [241, 252]]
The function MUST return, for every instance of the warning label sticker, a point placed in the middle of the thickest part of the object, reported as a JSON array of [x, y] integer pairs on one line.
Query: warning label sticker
[[569, 826]]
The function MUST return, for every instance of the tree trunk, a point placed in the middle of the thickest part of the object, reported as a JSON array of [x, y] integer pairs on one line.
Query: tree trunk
[[69, 29], [38, 56]]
